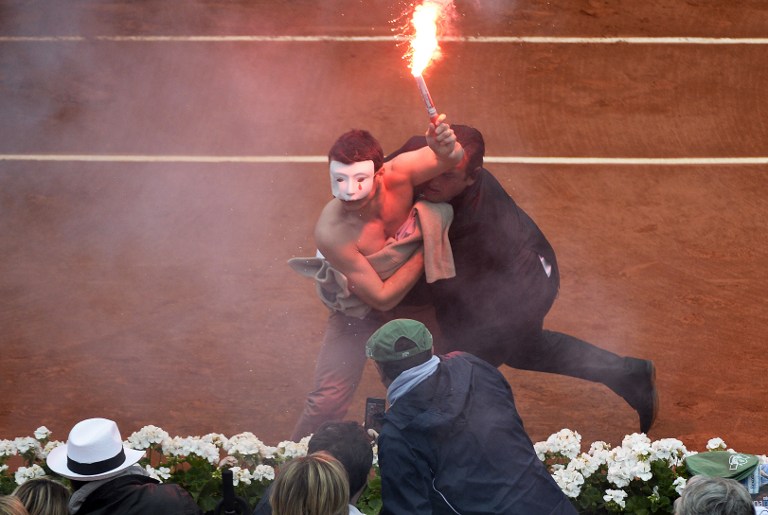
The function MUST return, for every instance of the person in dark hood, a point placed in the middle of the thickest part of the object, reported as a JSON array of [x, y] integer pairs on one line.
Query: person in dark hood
[[451, 440], [507, 279]]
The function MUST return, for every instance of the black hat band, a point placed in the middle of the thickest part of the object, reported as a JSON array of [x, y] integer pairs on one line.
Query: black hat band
[[99, 467]]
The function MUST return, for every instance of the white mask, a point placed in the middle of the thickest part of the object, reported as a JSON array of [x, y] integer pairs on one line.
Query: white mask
[[351, 181]]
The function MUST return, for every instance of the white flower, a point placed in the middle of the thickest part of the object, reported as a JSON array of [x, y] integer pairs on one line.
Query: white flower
[[244, 444], [565, 442], [178, 446], [630, 461], [556, 466], [599, 452], [716, 444], [289, 450], [146, 436], [245, 476], [642, 470], [217, 439], [241, 475], [262, 472], [599, 447], [7, 448], [51, 445], [24, 474], [161, 473], [26, 443], [3, 468], [620, 464], [638, 443], [42, 432], [586, 465], [541, 449], [616, 496], [268, 452], [569, 481], [671, 450], [679, 485]]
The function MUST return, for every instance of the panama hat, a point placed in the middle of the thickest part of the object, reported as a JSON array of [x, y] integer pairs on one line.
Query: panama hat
[[93, 451]]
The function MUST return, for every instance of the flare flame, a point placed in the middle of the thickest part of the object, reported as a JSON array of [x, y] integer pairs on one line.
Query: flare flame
[[424, 45]]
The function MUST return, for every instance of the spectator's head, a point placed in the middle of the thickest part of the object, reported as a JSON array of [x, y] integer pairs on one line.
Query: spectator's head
[[453, 182], [11, 505], [349, 443], [398, 346], [43, 496], [313, 484], [714, 496], [354, 159], [93, 451]]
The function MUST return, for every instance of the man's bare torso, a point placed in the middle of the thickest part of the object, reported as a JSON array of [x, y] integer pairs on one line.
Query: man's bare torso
[[365, 225]]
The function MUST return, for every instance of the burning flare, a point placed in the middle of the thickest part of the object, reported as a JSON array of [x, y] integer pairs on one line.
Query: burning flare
[[424, 46]]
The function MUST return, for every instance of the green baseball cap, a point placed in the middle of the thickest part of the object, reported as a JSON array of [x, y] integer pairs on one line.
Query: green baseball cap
[[398, 339]]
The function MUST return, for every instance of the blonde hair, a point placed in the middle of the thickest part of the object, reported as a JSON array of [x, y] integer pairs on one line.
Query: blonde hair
[[313, 485], [10, 505], [44, 496]]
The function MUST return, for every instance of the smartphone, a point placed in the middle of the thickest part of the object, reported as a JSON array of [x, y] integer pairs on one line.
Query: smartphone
[[374, 413]]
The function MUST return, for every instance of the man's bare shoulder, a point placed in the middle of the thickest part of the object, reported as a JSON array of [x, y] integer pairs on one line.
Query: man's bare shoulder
[[394, 175], [332, 228]]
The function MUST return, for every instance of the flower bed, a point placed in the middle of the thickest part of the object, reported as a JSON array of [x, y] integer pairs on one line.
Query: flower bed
[[640, 476]]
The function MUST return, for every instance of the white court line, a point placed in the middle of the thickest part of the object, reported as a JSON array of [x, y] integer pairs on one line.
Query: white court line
[[622, 161], [462, 39], [111, 158], [675, 161]]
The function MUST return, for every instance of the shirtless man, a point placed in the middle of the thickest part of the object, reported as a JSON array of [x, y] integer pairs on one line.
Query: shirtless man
[[372, 200]]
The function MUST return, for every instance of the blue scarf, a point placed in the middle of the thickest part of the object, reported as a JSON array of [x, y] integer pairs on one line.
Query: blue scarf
[[405, 382]]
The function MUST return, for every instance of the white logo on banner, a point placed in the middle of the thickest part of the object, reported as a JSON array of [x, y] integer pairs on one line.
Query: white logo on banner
[[736, 461]]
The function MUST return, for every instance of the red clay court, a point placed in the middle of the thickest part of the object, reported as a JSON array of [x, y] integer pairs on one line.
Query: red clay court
[[161, 161]]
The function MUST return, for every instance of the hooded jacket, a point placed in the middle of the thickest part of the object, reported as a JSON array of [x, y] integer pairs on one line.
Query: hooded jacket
[[456, 444]]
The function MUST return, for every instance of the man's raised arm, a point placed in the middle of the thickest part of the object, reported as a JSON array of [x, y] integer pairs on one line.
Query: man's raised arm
[[442, 153]]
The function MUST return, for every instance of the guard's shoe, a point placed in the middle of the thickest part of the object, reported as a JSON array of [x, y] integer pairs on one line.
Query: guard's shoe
[[647, 403]]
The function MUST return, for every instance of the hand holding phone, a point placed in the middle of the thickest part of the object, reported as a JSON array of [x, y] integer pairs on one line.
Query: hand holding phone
[[374, 413]]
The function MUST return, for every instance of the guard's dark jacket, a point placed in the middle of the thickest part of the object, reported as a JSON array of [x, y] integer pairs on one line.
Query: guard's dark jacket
[[138, 495], [500, 278], [501, 293], [456, 444]]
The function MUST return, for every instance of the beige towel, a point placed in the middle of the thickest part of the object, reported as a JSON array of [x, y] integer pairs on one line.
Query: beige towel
[[427, 225]]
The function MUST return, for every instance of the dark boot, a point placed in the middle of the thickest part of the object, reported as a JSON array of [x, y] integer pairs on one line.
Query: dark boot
[[558, 353], [641, 392]]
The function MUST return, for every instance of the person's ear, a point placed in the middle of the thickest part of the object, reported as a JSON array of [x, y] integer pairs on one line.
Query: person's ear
[[470, 178]]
